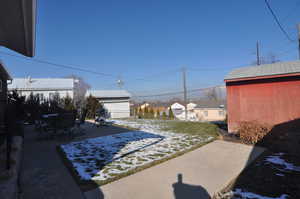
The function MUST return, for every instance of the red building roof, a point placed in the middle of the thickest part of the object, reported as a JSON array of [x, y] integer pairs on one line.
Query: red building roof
[[266, 71]]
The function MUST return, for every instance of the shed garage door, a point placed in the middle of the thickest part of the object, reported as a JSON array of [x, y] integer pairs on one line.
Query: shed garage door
[[117, 109]]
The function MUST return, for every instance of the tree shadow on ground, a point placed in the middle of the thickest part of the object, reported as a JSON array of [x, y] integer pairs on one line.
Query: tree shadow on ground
[[104, 149], [183, 191], [273, 180]]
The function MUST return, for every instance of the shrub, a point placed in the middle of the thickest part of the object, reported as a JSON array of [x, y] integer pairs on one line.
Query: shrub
[[252, 132]]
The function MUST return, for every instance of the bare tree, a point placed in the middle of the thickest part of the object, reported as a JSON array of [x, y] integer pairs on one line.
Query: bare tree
[[268, 59], [211, 94], [81, 86]]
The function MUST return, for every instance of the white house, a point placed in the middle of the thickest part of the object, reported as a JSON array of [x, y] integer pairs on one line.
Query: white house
[[46, 88], [179, 111], [116, 102], [210, 112]]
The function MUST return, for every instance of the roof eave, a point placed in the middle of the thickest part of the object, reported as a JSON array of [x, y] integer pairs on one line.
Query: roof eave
[[4, 70], [261, 77]]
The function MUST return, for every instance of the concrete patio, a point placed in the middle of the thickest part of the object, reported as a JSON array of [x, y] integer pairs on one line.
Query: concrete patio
[[204, 172]]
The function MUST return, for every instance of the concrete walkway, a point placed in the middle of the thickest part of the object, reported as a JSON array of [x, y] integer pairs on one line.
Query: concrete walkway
[[198, 174]]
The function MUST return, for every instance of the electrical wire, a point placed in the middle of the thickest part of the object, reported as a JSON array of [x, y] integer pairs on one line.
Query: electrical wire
[[277, 21]]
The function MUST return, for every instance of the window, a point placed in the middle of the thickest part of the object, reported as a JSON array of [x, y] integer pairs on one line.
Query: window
[[41, 96], [205, 113], [221, 113], [51, 96]]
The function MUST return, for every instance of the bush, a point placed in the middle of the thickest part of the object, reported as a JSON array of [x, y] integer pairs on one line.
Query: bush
[[252, 132]]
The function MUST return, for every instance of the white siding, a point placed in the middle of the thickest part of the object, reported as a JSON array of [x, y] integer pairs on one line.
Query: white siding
[[117, 109], [62, 93]]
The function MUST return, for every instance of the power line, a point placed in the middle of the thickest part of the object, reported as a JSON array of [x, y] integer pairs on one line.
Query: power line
[[80, 68], [178, 92], [277, 21], [71, 67]]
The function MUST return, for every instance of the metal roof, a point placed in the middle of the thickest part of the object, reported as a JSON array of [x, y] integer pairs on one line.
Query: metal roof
[[279, 68], [41, 83], [108, 93]]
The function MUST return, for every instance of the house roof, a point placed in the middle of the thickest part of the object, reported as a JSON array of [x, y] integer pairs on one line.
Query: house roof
[[208, 106], [108, 93], [279, 68], [4, 71], [41, 83], [177, 106], [17, 25]]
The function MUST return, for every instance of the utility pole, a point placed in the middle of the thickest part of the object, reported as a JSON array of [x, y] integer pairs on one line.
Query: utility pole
[[184, 91], [298, 27], [257, 54]]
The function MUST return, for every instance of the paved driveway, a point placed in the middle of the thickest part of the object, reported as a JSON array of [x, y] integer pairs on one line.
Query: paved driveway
[[198, 174]]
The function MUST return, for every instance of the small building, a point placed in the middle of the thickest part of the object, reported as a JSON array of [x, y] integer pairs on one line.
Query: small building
[[116, 102], [179, 111], [4, 77], [190, 106], [266, 93], [45, 88], [210, 113]]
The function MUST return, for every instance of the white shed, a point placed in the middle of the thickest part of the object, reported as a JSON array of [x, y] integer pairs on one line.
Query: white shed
[[116, 102]]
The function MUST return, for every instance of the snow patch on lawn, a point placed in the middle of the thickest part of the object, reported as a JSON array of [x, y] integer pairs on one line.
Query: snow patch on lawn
[[279, 161], [240, 194], [103, 158]]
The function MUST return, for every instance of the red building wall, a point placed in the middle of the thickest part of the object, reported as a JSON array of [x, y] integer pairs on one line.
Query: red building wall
[[271, 101]]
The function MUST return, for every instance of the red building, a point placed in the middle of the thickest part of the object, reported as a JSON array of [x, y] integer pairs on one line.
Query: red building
[[267, 93]]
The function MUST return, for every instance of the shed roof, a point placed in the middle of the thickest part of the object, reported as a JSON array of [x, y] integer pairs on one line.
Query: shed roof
[[41, 83], [279, 68], [108, 93]]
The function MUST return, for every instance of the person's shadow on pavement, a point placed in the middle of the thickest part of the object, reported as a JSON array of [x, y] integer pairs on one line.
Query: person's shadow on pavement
[[187, 191]]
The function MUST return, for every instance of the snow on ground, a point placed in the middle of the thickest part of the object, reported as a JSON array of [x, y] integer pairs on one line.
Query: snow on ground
[[279, 163], [103, 158], [240, 194]]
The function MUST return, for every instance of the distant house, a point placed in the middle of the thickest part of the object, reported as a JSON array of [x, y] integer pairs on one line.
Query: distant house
[[210, 113], [191, 106], [4, 77], [267, 93], [179, 111], [116, 102], [177, 108], [45, 88]]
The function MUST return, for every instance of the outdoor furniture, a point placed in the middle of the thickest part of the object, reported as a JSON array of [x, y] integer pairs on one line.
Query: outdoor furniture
[[55, 125]]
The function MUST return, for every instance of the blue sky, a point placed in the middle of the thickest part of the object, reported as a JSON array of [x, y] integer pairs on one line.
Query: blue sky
[[152, 39]]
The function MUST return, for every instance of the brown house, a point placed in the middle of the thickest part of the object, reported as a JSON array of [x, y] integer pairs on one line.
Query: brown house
[[267, 93], [4, 76]]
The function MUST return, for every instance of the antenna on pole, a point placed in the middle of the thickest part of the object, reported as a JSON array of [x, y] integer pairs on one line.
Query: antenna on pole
[[257, 54], [120, 82]]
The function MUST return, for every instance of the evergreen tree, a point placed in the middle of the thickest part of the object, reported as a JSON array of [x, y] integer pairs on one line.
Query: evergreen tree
[[68, 104], [158, 114], [164, 116], [146, 112], [151, 113], [140, 113], [92, 105], [171, 115]]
